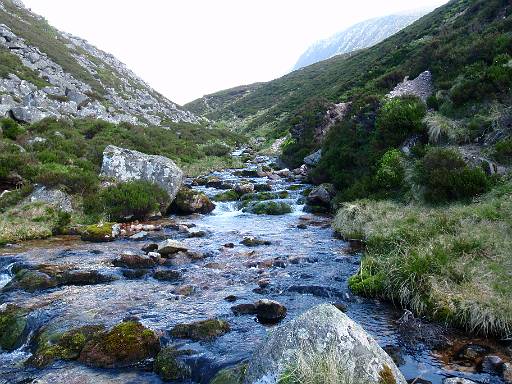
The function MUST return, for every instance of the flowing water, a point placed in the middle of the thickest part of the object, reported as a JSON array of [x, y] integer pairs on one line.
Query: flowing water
[[312, 267]]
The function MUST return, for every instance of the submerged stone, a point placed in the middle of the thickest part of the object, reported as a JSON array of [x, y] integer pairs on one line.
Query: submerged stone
[[201, 330], [232, 375], [13, 325]]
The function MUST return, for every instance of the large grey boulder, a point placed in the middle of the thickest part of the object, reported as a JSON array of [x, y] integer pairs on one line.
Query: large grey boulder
[[53, 197], [323, 342], [313, 159], [27, 114], [421, 87], [126, 165]]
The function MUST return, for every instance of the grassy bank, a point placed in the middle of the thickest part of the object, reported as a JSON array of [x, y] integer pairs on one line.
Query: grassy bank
[[67, 155], [451, 263]]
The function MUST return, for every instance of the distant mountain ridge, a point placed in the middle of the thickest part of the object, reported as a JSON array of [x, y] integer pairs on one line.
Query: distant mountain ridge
[[48, 73], [358, 36]]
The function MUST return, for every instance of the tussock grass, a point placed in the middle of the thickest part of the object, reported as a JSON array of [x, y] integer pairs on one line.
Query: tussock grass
[[316, 368], [443, 128], [29, 222], [450, 263]]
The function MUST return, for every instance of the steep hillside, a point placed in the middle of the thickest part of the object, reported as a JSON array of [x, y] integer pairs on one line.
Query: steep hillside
[[358, 36], [48, 73], [447, 42]]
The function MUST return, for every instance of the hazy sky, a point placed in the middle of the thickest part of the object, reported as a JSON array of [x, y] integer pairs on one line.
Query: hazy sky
[[188, 48]]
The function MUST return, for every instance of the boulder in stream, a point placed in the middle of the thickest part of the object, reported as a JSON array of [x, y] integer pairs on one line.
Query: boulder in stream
[[201, 330], [13, 326], [169, 247], [273, 208], [126, 344], [189, 201], [322, 341]]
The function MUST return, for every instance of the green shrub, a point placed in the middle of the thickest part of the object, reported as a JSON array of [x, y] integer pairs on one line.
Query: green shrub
[[70, 178], [398, 119], [10, 128], [446, 177], [216, 149], [390, 174], [503, 151], [133, 200]]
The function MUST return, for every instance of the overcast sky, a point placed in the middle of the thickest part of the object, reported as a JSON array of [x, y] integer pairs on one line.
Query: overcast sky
[[188, 48]]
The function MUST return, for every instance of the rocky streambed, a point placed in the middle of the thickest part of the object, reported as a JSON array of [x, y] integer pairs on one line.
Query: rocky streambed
[[243, 270]]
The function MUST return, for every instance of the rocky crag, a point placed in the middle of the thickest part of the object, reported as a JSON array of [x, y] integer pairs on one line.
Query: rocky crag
[[48, 73]]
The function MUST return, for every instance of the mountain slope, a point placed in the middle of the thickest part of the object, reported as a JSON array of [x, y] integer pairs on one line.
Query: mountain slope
[[45, 72], [359, 36]]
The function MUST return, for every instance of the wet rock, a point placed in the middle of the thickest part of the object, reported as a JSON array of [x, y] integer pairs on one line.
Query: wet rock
[[274, 208], [472, 354], [254, 242], [51, 346], [278, 263], [320, 334], [167, 275], [127, 165], [140, 236], [232, 375], [395, 353], [197, 234], [418, 380], [98, 233], [263, 283], [302, 226], [262, 187], [13, 326], [230, 298], [85, 278], [321, 196], [150, 247], [230, 195], [168, 366], [269, 311], [133, 274], [244, 309], [506, 372], [31, 281], [492, 364], [201, 330], [185, 290], [135, 262], [457, 380], [245, 188], [246, 173], [169, 247], [189, 201], [229, 245], [342, 307], [315, 290], [126, 344]]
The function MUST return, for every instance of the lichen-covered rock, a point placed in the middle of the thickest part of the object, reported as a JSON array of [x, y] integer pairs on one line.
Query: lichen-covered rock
[[201, 330], [13, 325], [323, 334], [421, 87], [126, 344], [273, 208], [53, 197], [189, 201], [98, 233], [168, 366], [126, 165], [67, 345], [232, 375]]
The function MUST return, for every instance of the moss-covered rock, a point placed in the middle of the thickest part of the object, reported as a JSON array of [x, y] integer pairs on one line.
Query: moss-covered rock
[[268, 208], [62, 346], [31, 281], [98, 233], [201, 330], [229, 195], [189, 201], [232, 375], [168, 366], [126, 344], [366, 283], [317, 209], [13, 324]]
